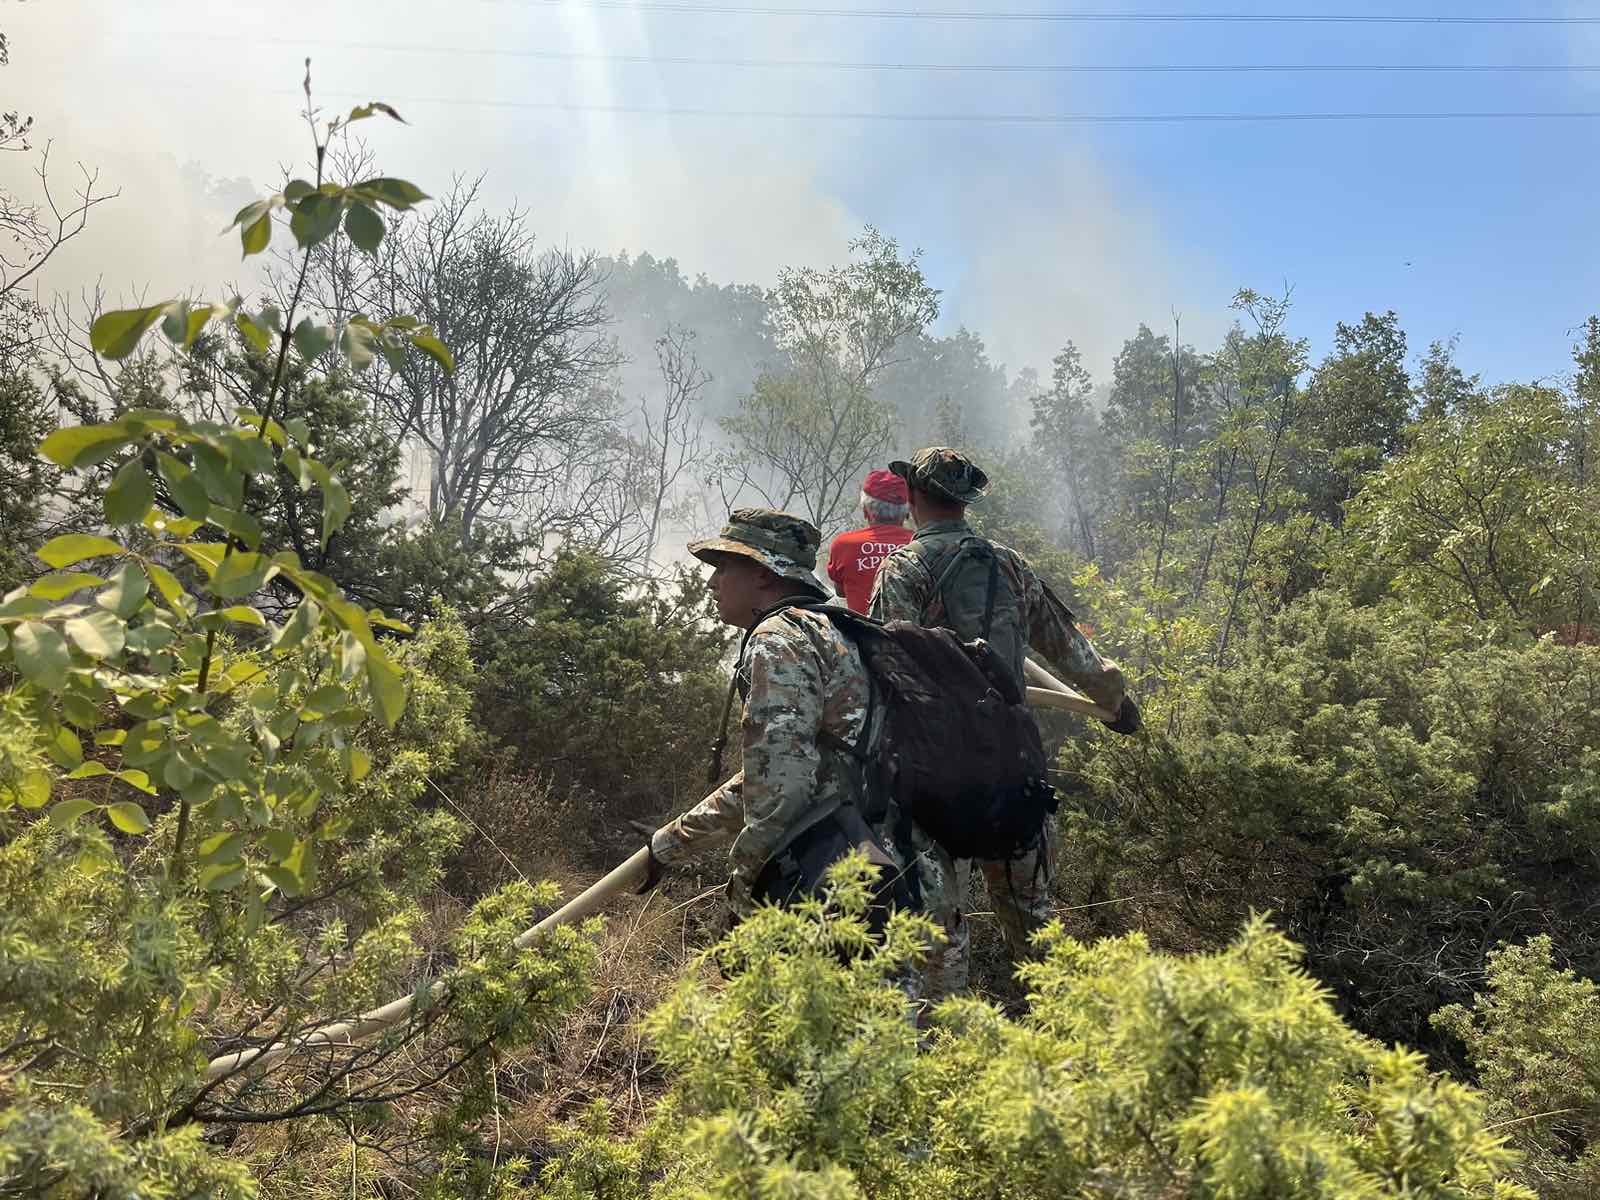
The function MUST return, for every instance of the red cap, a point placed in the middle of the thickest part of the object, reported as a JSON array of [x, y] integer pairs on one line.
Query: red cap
[[885, 485]]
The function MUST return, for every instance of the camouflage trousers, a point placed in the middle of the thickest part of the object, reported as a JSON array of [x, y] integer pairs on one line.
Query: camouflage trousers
[[1019, 895]]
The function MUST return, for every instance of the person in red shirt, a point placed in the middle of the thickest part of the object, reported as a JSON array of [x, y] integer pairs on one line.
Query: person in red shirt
[[855, 556]]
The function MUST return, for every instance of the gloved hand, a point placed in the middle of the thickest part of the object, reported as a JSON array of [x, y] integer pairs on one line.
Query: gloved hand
[[738, 898], [653, 870], [1128, 718]]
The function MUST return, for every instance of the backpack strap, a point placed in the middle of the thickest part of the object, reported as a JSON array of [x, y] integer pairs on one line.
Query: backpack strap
[[842, 619], [968, 547]]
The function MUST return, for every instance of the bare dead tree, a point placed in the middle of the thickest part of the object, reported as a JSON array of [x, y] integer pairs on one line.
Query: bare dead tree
[[32, 232], [511, 429], [674, 440]]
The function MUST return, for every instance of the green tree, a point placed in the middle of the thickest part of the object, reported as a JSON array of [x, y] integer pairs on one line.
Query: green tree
[[209, 829], [1483, 517], [1358, 403], [1066, 431], [804, 438], [1442, 387]]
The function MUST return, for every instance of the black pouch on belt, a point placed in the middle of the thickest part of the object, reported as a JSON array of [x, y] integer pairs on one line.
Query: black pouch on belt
[[798, 871]]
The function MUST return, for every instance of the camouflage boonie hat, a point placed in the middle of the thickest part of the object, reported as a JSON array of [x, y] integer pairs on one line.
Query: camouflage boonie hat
[[784, 544], [945, 472]]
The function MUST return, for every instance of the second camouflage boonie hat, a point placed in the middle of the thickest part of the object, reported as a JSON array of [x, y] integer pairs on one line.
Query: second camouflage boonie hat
[[783, 543], [946, 472]]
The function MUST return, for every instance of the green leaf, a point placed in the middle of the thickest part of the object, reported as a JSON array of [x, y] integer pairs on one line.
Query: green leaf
[[306, 617], [128, 589], [222, 847], [33, 790], [128, 817], [296, 188], [63, 815], [58, 585], [358, 343], [167, 584], [72, 548], [193, 323], [183, 324], [396, 193], [223, 483], [434, 349], [205, 555], [387, 685], [326, 699], [360, 764], [137, 779], [316, 216], [184, 486], [89, 770], [243, 614], [365, 227], [239, 575], [249, 213], [302, 862], [248, 451], [80, 710], [145, 420], [99, 634], [255, 236], [130, 495], [80, 445], [362, 111], [221, 877], [65, 748], [110, 737], [311, 338], [116, 334], [150, 637], [253, 331], [335, 509], [40, 653], [252, 421], [241, 524], [296, 427]]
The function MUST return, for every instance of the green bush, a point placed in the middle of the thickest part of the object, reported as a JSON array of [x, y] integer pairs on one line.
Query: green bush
[[1134, 1074], [1533, 1039], [608, 692], [1399, 793]]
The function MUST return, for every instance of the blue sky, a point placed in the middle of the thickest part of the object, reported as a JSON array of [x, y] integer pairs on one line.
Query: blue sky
[[1036, 233]]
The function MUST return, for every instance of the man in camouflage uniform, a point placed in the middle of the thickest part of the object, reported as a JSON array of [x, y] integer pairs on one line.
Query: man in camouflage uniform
[[807, 706], [950, 576]]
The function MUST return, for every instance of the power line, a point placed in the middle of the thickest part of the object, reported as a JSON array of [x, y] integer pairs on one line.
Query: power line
[[1058, 15], [989, 118], [932, 68]]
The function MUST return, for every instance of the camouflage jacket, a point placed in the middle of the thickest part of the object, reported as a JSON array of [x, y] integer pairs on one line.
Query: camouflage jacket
[[807, 702], [904, 591]]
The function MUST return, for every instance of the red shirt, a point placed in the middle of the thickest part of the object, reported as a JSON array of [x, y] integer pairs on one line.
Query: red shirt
[[855, 557]]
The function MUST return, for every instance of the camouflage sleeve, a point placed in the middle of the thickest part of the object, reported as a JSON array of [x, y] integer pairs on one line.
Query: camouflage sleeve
[[1055, 635], [782, 713], [711, 822], [900, 591]]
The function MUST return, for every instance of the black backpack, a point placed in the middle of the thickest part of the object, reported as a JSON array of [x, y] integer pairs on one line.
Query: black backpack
[[959, 751]]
